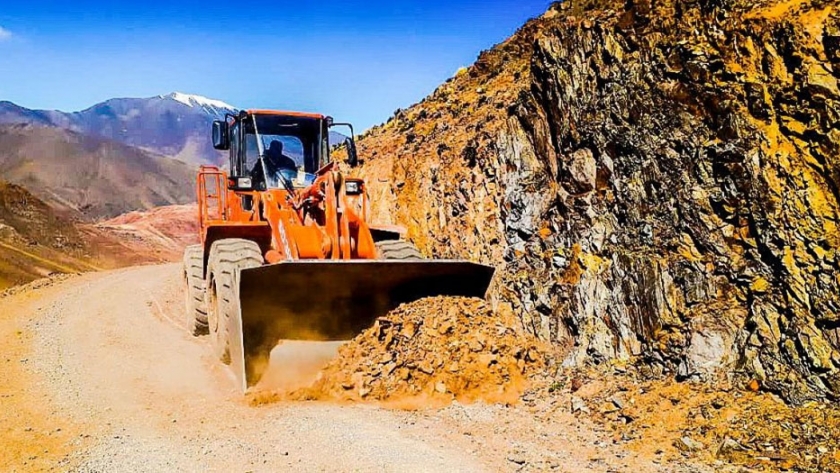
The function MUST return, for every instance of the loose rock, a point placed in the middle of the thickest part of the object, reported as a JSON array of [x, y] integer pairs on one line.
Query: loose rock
[[459, 348]]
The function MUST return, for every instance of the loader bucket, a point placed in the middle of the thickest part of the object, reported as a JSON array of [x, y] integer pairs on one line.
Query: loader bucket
[[332, 301]]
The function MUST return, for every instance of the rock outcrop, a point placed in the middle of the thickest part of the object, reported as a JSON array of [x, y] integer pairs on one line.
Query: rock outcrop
[[657, 181]]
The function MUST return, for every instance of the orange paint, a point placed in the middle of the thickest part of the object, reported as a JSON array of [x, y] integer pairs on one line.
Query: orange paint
[[319, 222]]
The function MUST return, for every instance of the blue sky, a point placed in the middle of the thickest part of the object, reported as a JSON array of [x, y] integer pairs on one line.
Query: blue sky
[[355, 60]]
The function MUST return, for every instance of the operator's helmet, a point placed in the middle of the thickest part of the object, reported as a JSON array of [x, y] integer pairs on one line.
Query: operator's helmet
[[276, 146]]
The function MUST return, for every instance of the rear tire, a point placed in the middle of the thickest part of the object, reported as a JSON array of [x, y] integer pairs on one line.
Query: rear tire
[[193, 281], [227, 258], [397, 250]]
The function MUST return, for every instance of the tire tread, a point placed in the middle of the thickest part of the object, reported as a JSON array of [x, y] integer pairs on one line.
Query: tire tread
[[196, 310], [227, 258]]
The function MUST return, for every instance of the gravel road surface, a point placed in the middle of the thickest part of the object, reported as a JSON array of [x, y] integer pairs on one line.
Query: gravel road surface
[[99, 375]]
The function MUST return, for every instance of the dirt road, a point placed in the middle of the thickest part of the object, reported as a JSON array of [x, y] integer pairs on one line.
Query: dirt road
[[98, 375]]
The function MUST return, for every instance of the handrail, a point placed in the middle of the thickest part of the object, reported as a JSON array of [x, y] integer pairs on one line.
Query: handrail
[[211, 192]]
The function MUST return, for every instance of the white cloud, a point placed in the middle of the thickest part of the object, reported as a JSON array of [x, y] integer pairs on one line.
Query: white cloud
[[4, 33]]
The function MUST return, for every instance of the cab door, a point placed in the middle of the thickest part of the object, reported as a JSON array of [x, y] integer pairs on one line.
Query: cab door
[[236, 167]]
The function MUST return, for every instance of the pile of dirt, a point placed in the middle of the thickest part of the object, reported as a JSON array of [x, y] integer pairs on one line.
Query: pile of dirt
[[442, 347]]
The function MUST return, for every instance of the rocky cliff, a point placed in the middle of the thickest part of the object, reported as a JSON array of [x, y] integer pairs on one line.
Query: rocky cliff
[[657, 181]]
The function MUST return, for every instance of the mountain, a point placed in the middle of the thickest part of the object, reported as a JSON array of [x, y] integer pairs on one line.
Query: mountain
[[656, 182], [90, 177], [175, 125], [12, 113]]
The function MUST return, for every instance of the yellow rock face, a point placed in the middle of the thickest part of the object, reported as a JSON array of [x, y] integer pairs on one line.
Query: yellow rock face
[[714, 210]]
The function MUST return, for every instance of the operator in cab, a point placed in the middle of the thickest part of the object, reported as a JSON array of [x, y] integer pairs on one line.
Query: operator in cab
[[275, 160], [276, 164]]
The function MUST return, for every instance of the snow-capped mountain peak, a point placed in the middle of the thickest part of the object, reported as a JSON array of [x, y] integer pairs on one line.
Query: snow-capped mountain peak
[[198, 100]]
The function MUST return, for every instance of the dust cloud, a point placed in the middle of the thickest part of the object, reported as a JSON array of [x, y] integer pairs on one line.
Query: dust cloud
[[296, 364]]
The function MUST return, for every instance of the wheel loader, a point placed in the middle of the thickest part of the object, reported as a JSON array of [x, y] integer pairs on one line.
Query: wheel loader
[[287, 251]]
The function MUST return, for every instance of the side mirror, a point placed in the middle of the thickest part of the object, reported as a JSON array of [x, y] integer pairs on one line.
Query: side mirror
[[349, 143], [352, 155], [221, 135]]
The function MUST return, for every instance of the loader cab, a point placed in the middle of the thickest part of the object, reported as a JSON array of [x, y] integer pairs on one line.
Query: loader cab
[[258, 141]]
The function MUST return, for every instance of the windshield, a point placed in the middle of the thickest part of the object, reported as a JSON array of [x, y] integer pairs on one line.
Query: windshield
[[291, 148]]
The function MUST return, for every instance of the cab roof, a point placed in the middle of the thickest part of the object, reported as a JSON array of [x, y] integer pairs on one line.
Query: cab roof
[[286, 113]]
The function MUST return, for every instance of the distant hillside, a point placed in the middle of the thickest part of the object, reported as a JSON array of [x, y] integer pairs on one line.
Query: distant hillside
[[90, 177], [34, 240], [160, 234], [175, 125]]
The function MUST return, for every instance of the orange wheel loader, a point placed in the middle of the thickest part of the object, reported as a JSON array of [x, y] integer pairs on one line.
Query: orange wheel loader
[[287, 252]]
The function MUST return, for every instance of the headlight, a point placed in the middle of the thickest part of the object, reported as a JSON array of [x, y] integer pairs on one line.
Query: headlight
[[243, 182], [353, 188]]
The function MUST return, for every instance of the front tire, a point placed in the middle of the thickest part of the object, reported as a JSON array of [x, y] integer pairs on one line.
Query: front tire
[[227, 258]]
